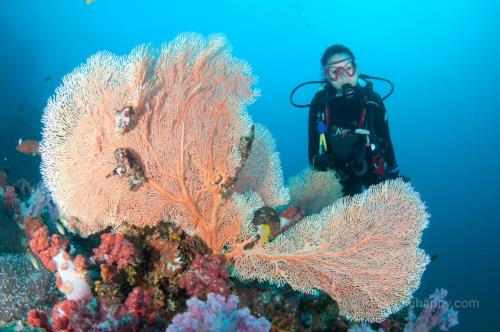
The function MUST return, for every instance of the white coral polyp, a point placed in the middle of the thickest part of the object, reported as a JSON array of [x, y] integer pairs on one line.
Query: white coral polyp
[[73, 282]]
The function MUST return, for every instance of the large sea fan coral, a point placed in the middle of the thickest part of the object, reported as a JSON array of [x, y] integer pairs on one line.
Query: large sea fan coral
[[164, 135], [150, 136]]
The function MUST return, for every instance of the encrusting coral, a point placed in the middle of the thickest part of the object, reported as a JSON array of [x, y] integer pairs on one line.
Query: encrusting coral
[[23, 287], [164, 135]]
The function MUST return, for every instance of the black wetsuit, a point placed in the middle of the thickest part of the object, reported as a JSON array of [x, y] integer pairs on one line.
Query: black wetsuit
[[344, 117]]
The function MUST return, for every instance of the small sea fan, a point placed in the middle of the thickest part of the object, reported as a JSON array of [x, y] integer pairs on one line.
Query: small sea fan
[[312, 190], [362, 251]]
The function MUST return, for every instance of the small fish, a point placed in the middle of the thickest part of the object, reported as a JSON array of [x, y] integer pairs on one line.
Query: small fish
[[60, 228], [47, 78], [89, 2], [175, 237], [33, 261], [264, 232], [64, 222], [433, 258], [29, 147]]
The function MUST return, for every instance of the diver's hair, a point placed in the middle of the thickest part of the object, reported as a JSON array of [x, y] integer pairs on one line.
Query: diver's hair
[[335, 49]]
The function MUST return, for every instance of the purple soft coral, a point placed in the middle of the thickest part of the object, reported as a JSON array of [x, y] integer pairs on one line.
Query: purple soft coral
[[217, 315], [436, 313]]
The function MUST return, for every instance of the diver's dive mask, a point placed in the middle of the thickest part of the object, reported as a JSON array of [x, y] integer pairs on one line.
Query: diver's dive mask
[[343, 68]]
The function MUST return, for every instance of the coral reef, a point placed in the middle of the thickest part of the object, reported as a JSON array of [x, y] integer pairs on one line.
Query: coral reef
[[104, 315], [184, 150], [129, 303]]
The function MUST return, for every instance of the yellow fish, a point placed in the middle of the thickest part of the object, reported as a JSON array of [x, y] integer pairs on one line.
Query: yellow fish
[[264, 233], [60, 228], [33, 261], [175, 237], [63, 221]]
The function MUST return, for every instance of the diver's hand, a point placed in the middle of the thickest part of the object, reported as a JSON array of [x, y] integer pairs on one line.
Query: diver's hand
[[392, 173], [322, 162]]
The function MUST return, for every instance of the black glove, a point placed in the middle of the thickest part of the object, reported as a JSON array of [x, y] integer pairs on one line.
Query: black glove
[[392, 173], [321, 162]]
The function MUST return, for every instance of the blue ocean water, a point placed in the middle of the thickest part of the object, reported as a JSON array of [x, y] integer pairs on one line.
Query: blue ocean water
[[442, 57]]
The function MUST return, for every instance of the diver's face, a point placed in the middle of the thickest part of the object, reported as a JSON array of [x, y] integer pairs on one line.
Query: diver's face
[[340, 69]]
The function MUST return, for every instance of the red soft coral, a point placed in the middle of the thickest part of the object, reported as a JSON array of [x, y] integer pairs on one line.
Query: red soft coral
[[115, 248], [139, 302], [62, 313], [207, 274], [39, 318], [45, 247]]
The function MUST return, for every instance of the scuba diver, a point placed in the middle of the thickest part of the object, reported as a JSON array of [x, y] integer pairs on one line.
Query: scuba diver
[[348, 127]]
